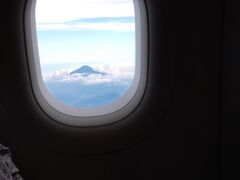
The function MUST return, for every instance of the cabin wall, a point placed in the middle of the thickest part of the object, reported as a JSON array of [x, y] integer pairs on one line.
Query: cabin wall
[[180, 110]]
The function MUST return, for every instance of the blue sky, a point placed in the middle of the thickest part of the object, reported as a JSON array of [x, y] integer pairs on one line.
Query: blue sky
[[86, 47], [83, 32]]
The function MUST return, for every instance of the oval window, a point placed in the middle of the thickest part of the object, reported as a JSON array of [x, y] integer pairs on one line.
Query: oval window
[[87, 59]]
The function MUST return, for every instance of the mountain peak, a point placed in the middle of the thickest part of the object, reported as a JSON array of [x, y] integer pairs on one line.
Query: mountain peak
[[86, 70]]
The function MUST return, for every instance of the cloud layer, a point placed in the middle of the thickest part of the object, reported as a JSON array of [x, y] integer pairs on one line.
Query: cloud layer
[[111, 26], [114, 75], [59, 11]]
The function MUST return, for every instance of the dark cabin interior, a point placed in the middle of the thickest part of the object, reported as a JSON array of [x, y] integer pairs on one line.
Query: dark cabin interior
[[186, 126]]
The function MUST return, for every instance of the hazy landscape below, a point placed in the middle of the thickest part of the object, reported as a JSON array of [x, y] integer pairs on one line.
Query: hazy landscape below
[[86, 87]]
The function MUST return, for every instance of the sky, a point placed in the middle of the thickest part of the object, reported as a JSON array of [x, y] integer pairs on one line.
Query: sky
[[86, 32], [98, 33], [57, 11]]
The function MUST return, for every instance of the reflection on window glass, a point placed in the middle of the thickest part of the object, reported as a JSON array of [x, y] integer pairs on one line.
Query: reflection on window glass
[[86, 49]]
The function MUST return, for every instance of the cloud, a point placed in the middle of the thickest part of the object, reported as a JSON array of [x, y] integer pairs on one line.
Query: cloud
[[114, 75], [87, 26], [59, 11], [99, 23]]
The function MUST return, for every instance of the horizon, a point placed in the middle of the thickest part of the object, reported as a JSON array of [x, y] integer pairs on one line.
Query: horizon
[[100, 34]]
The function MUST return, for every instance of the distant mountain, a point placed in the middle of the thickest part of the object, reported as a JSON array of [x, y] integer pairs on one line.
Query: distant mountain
[[86, 70]]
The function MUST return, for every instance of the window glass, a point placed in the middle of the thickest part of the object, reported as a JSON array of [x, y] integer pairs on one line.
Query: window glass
[[86, 50]]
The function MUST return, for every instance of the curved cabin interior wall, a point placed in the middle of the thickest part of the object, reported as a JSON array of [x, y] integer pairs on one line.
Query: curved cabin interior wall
[[179, 111]]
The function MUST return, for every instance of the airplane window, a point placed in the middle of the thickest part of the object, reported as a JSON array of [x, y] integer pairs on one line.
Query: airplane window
[[87, 55]]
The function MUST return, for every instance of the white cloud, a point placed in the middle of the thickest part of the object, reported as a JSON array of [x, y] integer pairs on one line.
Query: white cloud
[[118, 75], [60, 11], [87, 26]]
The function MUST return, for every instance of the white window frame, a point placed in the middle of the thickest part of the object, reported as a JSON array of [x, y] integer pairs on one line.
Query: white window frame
[[89, 116]]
